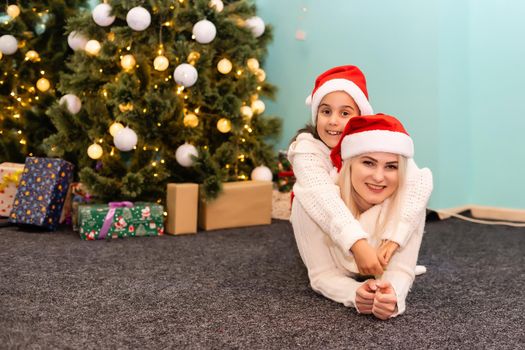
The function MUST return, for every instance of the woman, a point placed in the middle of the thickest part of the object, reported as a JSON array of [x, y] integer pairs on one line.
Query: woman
[[372, 157]]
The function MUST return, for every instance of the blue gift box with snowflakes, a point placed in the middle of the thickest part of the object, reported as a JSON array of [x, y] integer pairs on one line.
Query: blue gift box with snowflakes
[[41, 192]]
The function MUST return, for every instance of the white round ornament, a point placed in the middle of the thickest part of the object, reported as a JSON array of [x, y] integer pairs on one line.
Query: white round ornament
[[101, 15], [256, 25], [217, 5], [76, 41], [138, 18], [73, 103], [261, 173], [125, 139], [8, 44], [184, 153], [204, 31], [185, 74]]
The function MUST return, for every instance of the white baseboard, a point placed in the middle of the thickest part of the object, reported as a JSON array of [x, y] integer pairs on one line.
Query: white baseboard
[[484, 212]]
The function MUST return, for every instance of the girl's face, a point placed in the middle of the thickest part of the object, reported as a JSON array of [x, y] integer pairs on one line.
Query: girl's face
[[334, 111], [374, 177]]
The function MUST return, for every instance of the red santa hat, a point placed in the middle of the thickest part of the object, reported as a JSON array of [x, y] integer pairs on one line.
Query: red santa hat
[[349, 79], [372, 133]]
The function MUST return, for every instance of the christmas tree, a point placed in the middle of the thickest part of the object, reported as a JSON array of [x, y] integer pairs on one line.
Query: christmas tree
[[32, 52], [165, 91]]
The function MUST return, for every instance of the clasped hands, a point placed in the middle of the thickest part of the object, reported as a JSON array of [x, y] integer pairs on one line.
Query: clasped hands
[[374, 296]]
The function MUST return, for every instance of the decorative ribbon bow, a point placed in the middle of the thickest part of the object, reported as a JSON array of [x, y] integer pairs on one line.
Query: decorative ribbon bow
[[109, 216], [10, 178]]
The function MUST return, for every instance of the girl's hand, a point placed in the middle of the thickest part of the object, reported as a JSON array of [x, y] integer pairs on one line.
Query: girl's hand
[[364, 297], [366, 258], [385, 252], [385, 300]]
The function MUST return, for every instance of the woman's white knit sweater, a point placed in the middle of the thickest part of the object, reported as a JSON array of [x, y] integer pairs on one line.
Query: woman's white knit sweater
[[316, 190]]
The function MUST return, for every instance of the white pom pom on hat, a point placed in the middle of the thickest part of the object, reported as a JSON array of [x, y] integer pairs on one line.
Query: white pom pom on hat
[[347, 78]]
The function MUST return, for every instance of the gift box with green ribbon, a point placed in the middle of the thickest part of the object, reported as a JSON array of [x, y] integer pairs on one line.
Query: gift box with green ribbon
[[120, 219]]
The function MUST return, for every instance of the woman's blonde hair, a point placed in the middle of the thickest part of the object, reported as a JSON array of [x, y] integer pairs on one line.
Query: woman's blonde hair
[[348, 193]]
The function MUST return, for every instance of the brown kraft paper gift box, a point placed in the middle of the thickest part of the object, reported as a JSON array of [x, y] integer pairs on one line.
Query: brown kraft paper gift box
[[242, 203], [182, 206]]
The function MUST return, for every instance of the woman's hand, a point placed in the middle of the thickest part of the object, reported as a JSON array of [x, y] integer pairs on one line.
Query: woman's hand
[[364, 297], [385, 252], [366, 258], [385, 300]]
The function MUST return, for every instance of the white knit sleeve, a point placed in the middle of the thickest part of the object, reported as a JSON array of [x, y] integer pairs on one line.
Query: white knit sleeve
[[319, 195], [413, 202], [400, 271]]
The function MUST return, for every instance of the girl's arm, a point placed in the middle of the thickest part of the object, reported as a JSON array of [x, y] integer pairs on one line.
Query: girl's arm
[[413, 202], [317, 192]]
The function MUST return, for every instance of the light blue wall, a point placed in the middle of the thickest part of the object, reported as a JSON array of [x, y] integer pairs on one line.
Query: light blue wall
[[452, 71]]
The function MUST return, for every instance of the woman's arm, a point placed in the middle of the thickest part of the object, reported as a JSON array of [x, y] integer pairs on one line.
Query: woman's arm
[[316, 191], [400, 270]]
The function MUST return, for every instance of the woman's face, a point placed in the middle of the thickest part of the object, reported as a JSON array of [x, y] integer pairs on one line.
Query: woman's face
[[335, 109], [374, 177]]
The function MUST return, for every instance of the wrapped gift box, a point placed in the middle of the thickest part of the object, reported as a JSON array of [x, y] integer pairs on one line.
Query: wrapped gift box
[[78, 196], [182, 202], [41, 192], [10, 174], [120, 219], [242, 203]]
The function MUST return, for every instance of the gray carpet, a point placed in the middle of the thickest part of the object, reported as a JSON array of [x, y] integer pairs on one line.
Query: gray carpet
[[247, 288]]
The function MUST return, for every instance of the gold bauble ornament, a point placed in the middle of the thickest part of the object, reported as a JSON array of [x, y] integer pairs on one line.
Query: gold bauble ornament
[[258, 106], [224, 125], [252, 64], [92, 47], [125, 107], [260, 74], [115, 128], [193, 57], [1, 55], [246, 111], [43, 84], [161, 63], [224, 66], [191, 120], [33, 56], [94, 151], [13, 11], [128, 62]]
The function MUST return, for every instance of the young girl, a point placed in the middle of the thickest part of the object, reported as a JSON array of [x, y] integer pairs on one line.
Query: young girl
[[338, 95], [372, 157]]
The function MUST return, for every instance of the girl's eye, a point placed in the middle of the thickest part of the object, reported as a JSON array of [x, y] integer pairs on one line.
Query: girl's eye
[[345, 114], [368, 163], [392, 166], [325, 111]]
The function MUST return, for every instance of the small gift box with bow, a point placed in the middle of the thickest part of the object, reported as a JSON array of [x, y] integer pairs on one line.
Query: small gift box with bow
[[9, 177], [120, 219], [41, 192]]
